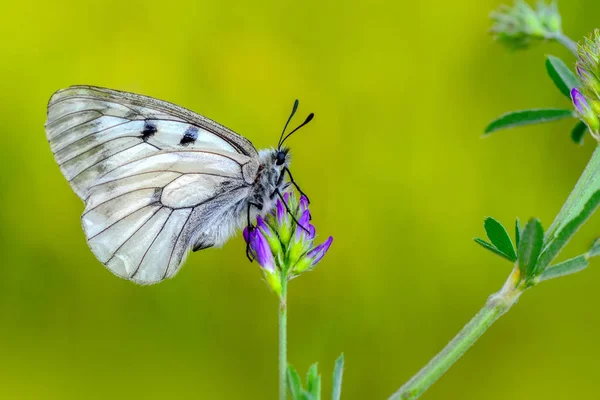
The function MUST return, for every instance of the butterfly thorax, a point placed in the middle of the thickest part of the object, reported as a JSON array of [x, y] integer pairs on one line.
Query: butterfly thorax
[[270, 178]]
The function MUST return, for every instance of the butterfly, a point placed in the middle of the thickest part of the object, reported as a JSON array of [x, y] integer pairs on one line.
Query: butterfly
[[157, 179]]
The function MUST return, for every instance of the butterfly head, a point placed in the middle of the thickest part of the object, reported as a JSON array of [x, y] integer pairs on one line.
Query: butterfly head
[[276, 160], [282, 158]]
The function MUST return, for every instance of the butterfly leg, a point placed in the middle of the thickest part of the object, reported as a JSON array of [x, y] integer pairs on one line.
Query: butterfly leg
[[287, 209], [295, 184], [250, 228]]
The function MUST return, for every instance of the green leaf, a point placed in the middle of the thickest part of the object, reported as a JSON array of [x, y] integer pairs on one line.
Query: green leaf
[[563, 77], [578, 132], [338, 371], [492, 248], [527, 117], [294, 384], [568, 267], [594, 249], [530, 247], [518, 230], [499, 238], [561, 238], [313, 382], [306, 395]]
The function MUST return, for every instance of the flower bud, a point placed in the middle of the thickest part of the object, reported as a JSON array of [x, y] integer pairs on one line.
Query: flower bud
[[585, 111], [588, 79], [520, 25], [550, 16], [313, 257]]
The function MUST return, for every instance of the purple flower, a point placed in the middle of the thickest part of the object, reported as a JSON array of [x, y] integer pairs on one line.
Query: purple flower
[[319, 252], [260, 248], [280, 212], [579, 101], [304, 229], [283, 241]]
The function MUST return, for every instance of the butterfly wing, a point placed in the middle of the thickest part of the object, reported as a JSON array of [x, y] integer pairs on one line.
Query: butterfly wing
[[156, 179], [92, 130]]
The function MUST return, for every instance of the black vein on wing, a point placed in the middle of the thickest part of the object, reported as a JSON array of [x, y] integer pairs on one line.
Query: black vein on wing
[[120, 195], [91, 134], [125, 217], [98, 99], [66, 131], [151, 187], [177, 241], [56, 121], [101, 145], [187, 152], [132, 175], [151, 244], [120, 137], [132, 235], [98, 162]]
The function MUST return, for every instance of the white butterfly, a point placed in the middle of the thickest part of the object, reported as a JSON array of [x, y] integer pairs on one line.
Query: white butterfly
[[158, 179]]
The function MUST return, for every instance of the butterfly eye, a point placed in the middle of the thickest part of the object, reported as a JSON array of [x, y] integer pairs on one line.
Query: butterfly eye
[[280, 158]]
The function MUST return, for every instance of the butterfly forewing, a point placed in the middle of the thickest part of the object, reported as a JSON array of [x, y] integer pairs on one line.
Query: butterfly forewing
[[92, 130], [156, 178]]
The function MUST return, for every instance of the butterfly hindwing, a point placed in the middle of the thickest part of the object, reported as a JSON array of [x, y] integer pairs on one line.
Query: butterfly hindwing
[[143, 217]]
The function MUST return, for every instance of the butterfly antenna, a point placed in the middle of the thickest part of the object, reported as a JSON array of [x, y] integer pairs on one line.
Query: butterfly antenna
[[294, 109], [306, 121]]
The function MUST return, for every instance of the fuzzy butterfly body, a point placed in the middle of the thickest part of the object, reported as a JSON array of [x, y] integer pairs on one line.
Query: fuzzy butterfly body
[[157, 179]]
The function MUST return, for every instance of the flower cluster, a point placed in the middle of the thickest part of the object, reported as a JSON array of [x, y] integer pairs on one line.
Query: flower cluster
[[518, 26], [586, 99], [282, 242]]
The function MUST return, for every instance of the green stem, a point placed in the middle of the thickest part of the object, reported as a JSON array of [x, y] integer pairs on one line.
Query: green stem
[[566, 41], [587, 185], [283, 340], [494, 308]]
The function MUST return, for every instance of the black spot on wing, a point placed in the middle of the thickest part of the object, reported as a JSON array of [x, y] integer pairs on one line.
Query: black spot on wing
[[149, 130], [190, 136]]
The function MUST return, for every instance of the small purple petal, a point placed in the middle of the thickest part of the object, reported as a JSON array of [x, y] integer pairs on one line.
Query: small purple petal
[[303, 203], [312, 232], [264, 256], [319, 252], [303, 223], [245, 233], [286, 197], [579, 101], [260, 223], [280, 211]]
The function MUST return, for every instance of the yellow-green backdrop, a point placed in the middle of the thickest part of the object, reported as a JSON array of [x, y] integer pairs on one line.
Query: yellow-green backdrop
[[394, 163]]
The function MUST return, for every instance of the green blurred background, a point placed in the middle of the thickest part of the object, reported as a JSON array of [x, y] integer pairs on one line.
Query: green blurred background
[[394, 163]]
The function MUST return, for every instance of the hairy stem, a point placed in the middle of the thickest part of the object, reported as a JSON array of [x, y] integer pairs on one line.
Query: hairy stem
[[283, 340], [580, 205], [567, 42], [494, 308]]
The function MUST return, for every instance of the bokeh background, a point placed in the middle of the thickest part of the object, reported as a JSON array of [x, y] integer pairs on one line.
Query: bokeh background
[[394, 163]]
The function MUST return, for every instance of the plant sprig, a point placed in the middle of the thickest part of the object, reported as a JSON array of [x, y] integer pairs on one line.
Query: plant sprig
[[534, 249]]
